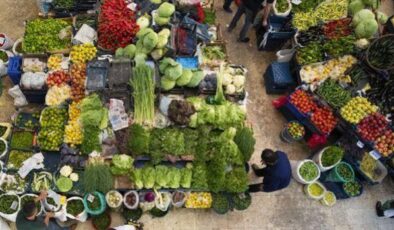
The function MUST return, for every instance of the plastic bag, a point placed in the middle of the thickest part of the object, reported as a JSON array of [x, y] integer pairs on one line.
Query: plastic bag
[[19, 97], [82, 217], [163, 201], [279, 102], [127, 205], [316, 141]]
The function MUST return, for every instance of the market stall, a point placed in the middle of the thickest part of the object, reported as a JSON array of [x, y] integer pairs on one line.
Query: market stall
[[135, 109], [342, 106]]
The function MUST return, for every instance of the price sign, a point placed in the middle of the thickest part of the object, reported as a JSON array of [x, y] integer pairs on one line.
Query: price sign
[[91, 198], [360, 144], [374, 154], [14, 205]]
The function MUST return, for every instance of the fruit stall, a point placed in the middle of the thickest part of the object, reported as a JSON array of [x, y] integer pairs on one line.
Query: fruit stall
[[342, 62], [135, 111]]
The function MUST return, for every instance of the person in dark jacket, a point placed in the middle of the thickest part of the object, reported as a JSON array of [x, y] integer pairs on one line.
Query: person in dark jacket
[[226, 6], [250, 8], [276, 175]]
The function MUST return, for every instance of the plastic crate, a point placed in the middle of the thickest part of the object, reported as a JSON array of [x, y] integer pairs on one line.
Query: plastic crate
[[278, 78], [14, 69], [35, 96], [188, 62], [97, 72], [119, 74], [124, 95]]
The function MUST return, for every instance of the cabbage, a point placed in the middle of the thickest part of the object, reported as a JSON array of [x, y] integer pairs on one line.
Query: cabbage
[[355, 6], [382, 17], [173, 72], [186, 179], [140, 58], [362, 15], [366, 28], [148, 177], [167, 84], [162, 178], [161, 20], [143, 22], [162, 42], [119, 52], [64, 184], [164, 32], [372, 3], [185, 77], [166, 9], [143, 32], [196, 79], [166, 62], [121, 164], [150, 41], [129, 51], [175, 175], [157, 54]]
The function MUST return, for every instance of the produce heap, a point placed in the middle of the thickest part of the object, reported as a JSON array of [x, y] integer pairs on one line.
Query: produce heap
[[189, 152]]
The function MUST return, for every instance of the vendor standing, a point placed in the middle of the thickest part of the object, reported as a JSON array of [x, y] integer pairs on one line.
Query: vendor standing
[[27, 217], [276, 175], [250, 8]]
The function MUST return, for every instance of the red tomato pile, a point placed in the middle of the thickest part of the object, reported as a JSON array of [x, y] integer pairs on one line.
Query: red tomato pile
[[324, 120], [385, 143], [78, 77], [338, 28], [57, 78], [302, 101], [372, 126]]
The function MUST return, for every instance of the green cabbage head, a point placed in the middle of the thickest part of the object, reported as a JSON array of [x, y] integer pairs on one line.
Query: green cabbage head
[[366, 28]]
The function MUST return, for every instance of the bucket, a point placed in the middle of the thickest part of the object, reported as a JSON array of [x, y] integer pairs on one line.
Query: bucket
[[334, 175], [287, 137], [5, 42], [285, 55], [103, 203], [312, 196]]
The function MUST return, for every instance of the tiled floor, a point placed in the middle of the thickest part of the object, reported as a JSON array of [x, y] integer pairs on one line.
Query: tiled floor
[[287, 209]]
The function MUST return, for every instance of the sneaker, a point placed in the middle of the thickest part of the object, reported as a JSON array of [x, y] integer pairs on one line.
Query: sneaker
[[379, 211], [244, 40], [228, 9]]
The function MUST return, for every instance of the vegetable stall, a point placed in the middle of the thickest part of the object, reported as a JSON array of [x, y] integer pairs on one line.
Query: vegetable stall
[[148, 117], [341, 61]]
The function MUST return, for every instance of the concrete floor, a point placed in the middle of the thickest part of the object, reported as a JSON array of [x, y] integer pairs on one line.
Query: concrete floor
[[287, 209]]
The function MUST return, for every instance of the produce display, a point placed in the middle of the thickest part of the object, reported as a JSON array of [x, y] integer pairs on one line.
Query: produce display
[[52, 120], [42, 35], [337, 47], [329, 198], [303, 101], [3, 56], [97, 176], [334, 68], [220, 203], [296, 130], [310, 53], [102, 221], [164, 13], [332, 155], [234, 80], [22, 140], [315, 189], [30, 197], [380, 54], [57, 95], [313, 34], [199, 200], [337, 28], [369, 166], [117, 25], [57, 78], [213, 55], [9, 204], [309, 171], [365, 24], [41, 181], [282, 6], [2, 146], [324, 119], [372, 127], [16, 158], [333, 93], [241, 201], [73, 130], [352, 188], [179, 112], [345, 171], [75, 207], [83, 53], [384, 144], [27, 120], [55, 62], [78, 78], [356, 109], [14, 184]]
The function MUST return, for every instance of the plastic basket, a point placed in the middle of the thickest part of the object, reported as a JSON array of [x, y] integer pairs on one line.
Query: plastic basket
[[14, 69], [96, 77], [103, 204], [119, 74], [369, 48], [334, 175], [7, 132]]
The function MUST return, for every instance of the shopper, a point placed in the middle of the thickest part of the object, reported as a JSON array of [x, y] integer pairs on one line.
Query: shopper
[[250, 8], [226, 6], [276, 175], [386, 209], [27, 217]]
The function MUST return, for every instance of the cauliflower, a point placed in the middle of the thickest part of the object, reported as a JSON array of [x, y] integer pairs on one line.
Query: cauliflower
[[66, 170], [74, 177], [230, 89], [239, 81], [362, 43], [227, 79]]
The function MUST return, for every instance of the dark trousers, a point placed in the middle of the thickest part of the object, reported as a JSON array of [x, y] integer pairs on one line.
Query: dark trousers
[[257, 187], [249, 18], [227, 4]]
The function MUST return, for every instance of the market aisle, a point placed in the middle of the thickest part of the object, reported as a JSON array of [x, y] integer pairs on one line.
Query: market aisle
[[287, 209]]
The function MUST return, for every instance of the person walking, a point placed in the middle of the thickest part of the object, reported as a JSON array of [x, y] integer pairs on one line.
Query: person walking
[[276, 175], [226, 6], [386, 209], [249, 8]]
